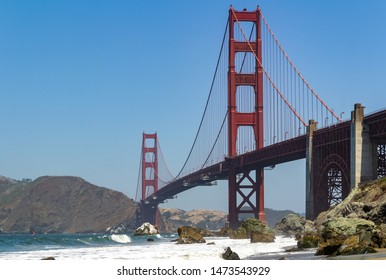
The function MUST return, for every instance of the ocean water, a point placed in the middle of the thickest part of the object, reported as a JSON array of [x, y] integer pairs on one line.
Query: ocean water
[[128, 247]]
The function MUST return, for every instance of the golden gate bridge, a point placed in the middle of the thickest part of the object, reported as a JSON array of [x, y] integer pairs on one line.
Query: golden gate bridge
[[260, 112]]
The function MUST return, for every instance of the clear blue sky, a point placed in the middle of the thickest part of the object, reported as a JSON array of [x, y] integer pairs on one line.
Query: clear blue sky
[[80, 81]]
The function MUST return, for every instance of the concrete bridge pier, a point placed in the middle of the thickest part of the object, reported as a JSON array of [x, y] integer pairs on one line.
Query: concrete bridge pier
[[309, 178], [338, 158], [363, 156]]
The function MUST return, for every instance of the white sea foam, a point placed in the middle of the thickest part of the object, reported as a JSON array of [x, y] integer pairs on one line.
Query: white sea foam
[[121, 238], [159, 250]]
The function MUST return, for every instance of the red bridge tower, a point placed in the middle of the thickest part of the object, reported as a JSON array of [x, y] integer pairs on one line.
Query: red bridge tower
[[245, 187], [149, 163]]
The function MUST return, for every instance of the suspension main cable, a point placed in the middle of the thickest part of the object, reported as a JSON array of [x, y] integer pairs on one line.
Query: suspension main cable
[[297, 71], [139, 175], [215, 142], [163, 159], [266, 73], [207, 101]]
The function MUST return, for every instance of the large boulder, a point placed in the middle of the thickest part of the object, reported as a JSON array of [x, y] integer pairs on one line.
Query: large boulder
[[254, 229], [293, 224], [190, 235], [347, 236], [146, 229]]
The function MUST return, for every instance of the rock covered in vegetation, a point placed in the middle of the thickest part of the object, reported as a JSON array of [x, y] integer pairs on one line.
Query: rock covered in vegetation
[[264, 236], [308, 240], [254, 229], [293, 224], [347, 236], [190, 235], [146, 229], [358, 224]]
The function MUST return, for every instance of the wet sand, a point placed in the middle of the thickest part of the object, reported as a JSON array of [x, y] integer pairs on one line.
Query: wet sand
[[380, 255], [310, 255]]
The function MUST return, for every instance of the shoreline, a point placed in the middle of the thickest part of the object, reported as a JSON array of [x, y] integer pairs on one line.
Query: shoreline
[[379, 255]]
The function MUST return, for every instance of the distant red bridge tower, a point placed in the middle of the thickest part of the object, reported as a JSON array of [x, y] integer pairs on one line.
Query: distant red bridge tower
[[149, 158]]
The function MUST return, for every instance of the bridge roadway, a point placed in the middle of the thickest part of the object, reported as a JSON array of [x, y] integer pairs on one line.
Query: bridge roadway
[[285, 151], [282, 152]]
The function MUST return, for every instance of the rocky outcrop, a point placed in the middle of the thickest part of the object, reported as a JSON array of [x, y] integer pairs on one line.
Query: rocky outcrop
[[62, 204], [146, 229], [367, 201], [190, 235], [347, 236], [293, 224], [254, 230], [357, 224]]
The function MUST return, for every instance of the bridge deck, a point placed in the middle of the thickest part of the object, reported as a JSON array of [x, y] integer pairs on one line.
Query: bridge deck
[[286, 151], [282, 152]]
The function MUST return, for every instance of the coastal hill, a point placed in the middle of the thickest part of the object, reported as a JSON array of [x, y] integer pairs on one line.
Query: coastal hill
[[61, 204], [65, 204], [211, 219]]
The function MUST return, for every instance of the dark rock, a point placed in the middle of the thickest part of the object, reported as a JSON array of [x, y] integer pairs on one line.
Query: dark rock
[[48, 259], [211, 243], [150, 240], [190, 235], [230, 255]]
